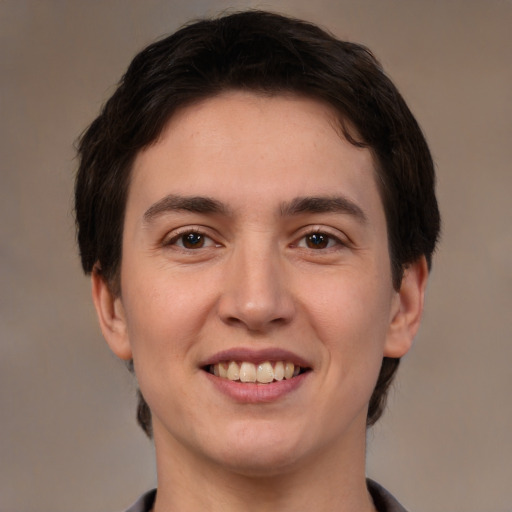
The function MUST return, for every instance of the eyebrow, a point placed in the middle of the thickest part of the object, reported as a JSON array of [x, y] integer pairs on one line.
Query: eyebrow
[[299, 205], [323, 204], [172, 203]]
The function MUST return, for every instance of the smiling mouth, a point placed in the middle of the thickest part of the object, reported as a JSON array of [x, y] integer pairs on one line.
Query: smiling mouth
[[263, 373]]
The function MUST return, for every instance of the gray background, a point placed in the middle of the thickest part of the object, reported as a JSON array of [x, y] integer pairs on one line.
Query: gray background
[[68, 438]]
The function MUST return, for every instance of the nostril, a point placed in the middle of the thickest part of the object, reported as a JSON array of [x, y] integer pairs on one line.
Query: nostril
[[232, 320], [256, 300], [255, 323]]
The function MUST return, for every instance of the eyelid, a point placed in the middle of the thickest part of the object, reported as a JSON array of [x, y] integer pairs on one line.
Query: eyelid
[[334, 234], [173, 236]]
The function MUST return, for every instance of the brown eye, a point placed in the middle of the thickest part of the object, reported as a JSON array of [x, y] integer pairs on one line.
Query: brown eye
[[192, 241], [318, 241]]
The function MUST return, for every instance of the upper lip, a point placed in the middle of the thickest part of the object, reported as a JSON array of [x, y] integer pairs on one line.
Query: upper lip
[[255, 356]]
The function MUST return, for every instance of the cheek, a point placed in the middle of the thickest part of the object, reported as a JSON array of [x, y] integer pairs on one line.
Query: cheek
[[164, 320], [352, 319], [164, 313]]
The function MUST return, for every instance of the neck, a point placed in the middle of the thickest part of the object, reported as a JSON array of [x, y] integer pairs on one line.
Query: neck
[[334, 480]]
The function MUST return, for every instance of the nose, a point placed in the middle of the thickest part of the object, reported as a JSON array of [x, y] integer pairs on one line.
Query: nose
[[256, 293]]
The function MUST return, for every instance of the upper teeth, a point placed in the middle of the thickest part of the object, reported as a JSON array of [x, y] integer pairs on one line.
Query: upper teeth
[[262, 373]]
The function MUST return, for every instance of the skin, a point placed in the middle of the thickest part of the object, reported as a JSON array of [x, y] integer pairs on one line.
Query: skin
[[254, 281]]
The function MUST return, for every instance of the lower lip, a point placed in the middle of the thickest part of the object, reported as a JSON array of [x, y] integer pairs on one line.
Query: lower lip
[[253, 393]]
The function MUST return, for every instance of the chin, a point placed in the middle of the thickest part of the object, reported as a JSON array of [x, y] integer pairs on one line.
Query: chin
[[260, 452], [268, 464]]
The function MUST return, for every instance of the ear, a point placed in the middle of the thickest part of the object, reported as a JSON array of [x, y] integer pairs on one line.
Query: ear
[[111, 316], [407, 309]]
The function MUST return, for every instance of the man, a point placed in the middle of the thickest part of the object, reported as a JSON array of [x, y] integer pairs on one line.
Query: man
[[256, 207]]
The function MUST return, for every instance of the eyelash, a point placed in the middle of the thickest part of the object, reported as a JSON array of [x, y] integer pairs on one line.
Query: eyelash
[[179, 236], [331, 240], [177, 240]]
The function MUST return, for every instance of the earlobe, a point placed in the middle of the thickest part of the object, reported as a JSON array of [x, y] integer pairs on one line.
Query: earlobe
[[111, 317], [408, 310]]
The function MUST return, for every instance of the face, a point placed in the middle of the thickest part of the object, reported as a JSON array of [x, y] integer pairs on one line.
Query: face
[[256, 296]]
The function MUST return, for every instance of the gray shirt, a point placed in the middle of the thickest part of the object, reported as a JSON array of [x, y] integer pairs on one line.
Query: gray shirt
[[383, 500]]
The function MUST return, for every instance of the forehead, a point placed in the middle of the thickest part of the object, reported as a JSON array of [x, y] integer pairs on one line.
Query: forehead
[[243, 147]]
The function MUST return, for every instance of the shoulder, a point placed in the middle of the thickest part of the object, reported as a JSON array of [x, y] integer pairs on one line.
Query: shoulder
[[383, 500], [144, 503]]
